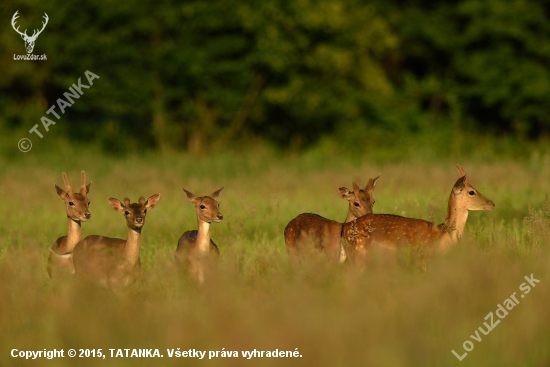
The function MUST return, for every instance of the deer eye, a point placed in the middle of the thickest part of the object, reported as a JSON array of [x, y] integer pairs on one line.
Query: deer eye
[[374, 202], [71, 203], [88, 203], [145, 211], [472, 193], [126, 212], [203, 207], [356, 204]]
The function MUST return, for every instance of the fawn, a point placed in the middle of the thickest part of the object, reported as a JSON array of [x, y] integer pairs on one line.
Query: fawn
[[60, 261], [195, 247], [114, 263], [310, 231], [393, 231]]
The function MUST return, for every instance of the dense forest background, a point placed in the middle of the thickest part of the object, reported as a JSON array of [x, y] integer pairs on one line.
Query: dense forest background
[[200, 75]]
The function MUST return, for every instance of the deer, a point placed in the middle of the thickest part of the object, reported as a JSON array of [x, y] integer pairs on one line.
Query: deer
[[29, 40], [114, 263], [195, 247], [310, 231], [395, 232], [60, 261]]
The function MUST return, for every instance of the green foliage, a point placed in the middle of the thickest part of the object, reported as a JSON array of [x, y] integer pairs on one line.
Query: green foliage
[[488, 60], [200, 74]]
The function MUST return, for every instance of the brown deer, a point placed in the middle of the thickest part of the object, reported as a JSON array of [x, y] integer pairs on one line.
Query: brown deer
[[393, 231], [114, 263], [60, 261], [310, 231], [195, 247]]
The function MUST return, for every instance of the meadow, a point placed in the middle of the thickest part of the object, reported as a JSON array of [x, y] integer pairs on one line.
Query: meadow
[[389, 313]]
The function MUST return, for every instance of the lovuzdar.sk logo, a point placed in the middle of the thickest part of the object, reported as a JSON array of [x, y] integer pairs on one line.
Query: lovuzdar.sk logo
[[29, 40]]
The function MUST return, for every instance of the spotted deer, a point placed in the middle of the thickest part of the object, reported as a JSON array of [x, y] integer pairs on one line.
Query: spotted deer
[[60, 261], [394, 232], [114, 263], [311, 232], [196, 248]]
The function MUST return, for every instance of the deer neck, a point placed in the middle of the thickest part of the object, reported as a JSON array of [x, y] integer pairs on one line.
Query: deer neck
[[74, 234], [456, 219], [203, 237], [132, 247], [350, 217]]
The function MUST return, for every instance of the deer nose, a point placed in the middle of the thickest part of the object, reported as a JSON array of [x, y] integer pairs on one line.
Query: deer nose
[[220, 217], [88, 215], [489, 206], [139, 220]]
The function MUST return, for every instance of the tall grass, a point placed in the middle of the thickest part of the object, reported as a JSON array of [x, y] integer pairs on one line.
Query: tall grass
[[387, 314]]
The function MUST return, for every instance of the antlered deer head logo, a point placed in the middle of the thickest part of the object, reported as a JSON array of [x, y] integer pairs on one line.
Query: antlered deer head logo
[[29, 40]]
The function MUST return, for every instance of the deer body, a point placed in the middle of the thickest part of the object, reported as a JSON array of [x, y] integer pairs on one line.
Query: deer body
[[310, 232], [114, 263], [394, 232], [60, 261], [117, 271], [191, 241], [196, 248]]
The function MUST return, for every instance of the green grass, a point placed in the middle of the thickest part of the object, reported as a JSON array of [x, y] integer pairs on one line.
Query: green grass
[[387, 314]]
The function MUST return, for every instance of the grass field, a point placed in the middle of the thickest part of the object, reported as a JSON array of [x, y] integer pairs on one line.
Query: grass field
[[387, 314]]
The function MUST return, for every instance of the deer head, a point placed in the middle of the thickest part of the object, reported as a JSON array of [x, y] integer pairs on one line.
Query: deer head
[[76, 203], [29, 40], [134, 213], [360, 200], [466, 196], [206, 206]]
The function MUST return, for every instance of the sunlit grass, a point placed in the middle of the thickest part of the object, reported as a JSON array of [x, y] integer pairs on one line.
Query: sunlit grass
[[388, 314]]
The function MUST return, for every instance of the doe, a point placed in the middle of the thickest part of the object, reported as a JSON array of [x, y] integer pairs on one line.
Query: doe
[[393, 231], [196, 247], [310, 231], [114, 263]]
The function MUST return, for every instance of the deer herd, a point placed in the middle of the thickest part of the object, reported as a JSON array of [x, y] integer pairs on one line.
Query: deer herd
[[114, 263]]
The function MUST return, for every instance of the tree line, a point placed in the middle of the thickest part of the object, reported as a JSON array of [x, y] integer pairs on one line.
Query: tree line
[[190, 74]]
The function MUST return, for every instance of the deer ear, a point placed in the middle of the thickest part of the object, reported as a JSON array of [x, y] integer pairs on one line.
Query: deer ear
[[88, 187], [216, 193], [116, 205], [152, 201], [372, 183], [460, 170], [189, 194], [459, 185], [345, 193], [62, 194]]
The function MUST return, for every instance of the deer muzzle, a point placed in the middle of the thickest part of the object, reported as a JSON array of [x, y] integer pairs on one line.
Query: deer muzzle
[[489, 206]]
